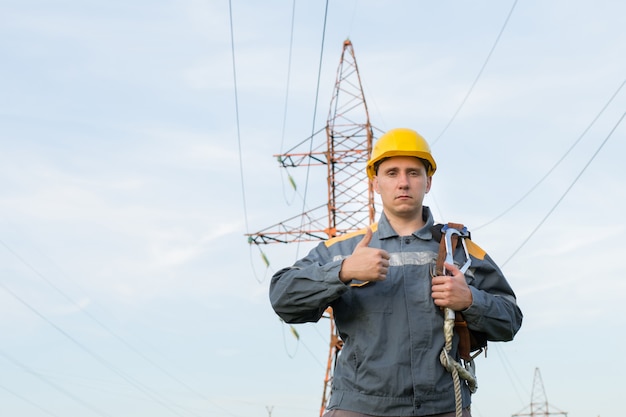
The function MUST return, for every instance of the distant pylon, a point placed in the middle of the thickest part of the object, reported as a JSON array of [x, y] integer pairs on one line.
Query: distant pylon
[[539, 406], [350, 205]]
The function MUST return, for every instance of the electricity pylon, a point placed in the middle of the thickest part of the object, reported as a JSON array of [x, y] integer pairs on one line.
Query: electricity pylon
[[350, 205], [345, 152], [539, 401]]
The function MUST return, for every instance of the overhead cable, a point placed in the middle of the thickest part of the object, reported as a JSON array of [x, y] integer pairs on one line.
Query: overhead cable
[[132, 381], [26, 400], [240, 152], [317, 93], [232, 49], [286, 106], [558, 162], [68, 394], [469, 92], [106, 328], [566, 191]]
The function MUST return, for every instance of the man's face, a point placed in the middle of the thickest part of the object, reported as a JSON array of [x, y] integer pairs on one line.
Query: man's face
[[402, 183]]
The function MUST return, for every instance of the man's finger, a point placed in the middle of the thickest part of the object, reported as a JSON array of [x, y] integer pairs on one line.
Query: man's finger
[[451, 268], [366, 239]]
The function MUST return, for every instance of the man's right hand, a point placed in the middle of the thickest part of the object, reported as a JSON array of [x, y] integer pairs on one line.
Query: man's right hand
[[365, 263]]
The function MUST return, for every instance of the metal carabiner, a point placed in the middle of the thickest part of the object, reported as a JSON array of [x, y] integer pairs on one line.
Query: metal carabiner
[[449, 231]]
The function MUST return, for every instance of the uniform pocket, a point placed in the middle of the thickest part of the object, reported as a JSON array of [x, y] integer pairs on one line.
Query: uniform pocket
[[373, 297]]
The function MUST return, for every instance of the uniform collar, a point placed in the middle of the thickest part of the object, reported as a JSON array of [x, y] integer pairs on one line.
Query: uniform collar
[[386, 231]]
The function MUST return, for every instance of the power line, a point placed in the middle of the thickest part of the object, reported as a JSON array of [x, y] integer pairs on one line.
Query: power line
[[26, 400], [317, 93], [566, 191], [286, 106], [469, 92], [506, 365], [53, 385], [239, 148], [232, 48], [138, 385], [107, 328], [557, 163]]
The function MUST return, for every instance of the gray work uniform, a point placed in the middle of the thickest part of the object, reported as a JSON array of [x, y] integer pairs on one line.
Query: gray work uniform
[[392, 331]]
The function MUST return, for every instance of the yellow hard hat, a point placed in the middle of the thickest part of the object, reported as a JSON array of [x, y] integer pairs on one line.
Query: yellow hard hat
[[400, 142]]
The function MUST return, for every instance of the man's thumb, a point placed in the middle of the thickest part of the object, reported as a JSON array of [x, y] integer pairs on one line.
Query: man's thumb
[[366, 239]]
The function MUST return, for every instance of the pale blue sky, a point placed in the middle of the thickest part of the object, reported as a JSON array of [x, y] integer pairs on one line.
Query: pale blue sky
[[127, 287]]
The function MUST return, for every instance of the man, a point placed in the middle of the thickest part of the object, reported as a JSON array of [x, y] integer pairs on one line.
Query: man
[[387, 303]]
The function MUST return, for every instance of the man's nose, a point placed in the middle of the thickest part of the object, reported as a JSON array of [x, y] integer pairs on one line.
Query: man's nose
[[403, 180]]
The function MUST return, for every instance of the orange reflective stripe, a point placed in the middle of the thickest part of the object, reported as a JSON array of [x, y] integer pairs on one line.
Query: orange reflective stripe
[[347, 236], [475, 250]]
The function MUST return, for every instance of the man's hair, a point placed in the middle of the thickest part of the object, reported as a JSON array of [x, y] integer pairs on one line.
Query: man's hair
[[423, 161]]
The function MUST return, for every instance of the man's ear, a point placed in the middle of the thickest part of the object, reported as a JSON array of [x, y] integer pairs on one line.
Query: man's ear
[[429, 183], [375, 184]]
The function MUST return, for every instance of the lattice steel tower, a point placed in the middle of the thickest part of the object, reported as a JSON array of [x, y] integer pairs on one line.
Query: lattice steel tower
[[350, 205], [539, 406], [345, 152]]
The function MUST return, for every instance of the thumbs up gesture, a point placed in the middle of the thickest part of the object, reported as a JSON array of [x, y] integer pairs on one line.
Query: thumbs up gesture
[[365, 263]]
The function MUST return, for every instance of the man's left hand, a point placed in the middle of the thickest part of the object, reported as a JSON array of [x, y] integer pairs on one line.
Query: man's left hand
[[451, 291]]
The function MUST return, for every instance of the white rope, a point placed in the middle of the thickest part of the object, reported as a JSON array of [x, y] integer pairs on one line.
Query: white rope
[[448, 363], [456, 369]]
